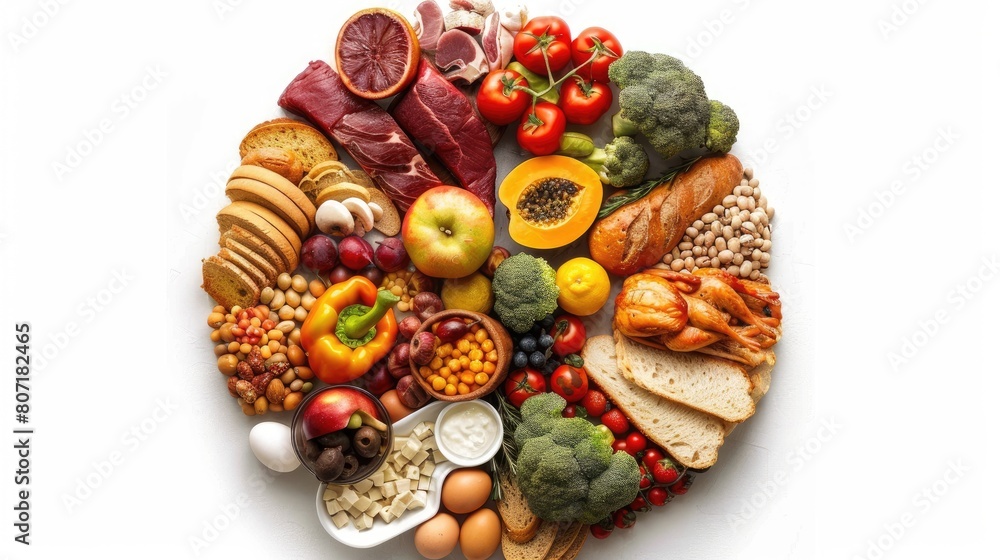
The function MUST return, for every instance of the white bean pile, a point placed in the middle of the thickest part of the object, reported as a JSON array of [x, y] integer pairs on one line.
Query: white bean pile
[[735, 236]]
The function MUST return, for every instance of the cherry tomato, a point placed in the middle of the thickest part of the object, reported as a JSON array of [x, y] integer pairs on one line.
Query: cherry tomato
[[645, 479], [523, 383], [569, 382], [584, 102], [658, 496], [639, 504], [599, 531], [624, 518], [619, 445], [497, 99], [651, 457], [541, 130], [583, 48], [569, 411], [635, 442], [569, 334], [548, 34]]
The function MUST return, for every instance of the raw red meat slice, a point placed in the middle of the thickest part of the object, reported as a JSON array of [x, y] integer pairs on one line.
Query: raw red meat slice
[[364, 129], [441, 118]]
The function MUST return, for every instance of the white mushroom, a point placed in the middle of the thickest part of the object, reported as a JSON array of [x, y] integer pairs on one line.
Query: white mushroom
[[377, 211], [364, 218], [512, 18], [334, 218]]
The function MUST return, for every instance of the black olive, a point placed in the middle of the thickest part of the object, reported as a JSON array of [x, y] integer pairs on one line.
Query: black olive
[[367, 442], [312, 450], [330, 464], [334, 439], [351, 466]]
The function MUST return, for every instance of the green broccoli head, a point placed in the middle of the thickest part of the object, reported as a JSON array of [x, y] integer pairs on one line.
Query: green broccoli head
[[663, 99], [722, 127], [622, 163], [524, 290], [569, 472]]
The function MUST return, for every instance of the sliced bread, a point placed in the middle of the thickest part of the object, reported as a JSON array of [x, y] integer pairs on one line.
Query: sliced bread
[[250, 190], [577, 545], [240, 214], [535, 549], [227, 284], [246, 266], [718, 387], [268, 270], [309, 144], [690, 436], [520, 524], [255, 244], [289, 189], [390, 223], [564, 540], [760, 376]]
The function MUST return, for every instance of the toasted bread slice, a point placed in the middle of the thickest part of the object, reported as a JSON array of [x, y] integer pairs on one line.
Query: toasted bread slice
[[519, 522], [564, 540], [717, 387], [690, 436], [255, 244], [240, 214], [227, 284], [287, 188], [309, 144], [260, 263], [249, 190], [535, 549]]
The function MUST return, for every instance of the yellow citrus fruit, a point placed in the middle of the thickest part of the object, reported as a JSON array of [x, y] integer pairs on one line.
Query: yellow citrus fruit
[[471, 293], [584, 286]]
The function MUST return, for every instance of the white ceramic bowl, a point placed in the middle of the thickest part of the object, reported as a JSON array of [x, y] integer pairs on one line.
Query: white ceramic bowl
[[381, 531], [488, 452]]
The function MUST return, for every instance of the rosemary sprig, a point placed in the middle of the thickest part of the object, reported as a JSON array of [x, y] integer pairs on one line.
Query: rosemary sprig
[[506, 460], [614, 202]]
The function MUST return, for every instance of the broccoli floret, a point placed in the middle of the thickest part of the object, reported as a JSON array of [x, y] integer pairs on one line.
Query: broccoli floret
[[622, 163], [569, 473], [524, 290], [665, 101], [722, 127]]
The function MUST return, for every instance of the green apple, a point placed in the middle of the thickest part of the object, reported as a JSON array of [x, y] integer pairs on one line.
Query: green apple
[[448, 232]]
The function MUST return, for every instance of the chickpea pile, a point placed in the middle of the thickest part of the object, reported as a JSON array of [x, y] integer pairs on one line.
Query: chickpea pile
[[273, 327], [463, 366]]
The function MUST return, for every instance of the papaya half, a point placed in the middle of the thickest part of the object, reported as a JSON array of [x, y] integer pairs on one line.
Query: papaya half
[[551, 200]]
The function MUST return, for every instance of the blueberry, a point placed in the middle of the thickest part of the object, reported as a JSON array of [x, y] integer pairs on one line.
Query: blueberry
[[536, 330], [537, 359], [519, 360], [551, 365], [529, 344], [545, 341], [548, 321]]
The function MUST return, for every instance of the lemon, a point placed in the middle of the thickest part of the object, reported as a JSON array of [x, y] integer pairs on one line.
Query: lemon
[[471, 293], [584, 286]]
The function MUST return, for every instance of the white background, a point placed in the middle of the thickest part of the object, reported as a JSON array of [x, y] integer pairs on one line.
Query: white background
[[835, 100]]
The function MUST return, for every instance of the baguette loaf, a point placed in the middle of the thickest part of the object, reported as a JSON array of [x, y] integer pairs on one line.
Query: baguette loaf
[[637, 235], [690, 436], [717, 387]]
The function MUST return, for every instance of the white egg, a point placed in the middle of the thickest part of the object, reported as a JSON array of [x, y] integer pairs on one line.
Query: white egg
[[271, 443]]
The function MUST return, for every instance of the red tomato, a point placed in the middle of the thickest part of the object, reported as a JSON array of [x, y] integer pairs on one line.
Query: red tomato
[[523, 383], [651, 457], [569, 382], [584, 102], [600, 531], [619, 445], [595, 403], [541, 130], [569, 335], [548, 34], [635, 442], [497, 99], [658, 496], [583, 48]]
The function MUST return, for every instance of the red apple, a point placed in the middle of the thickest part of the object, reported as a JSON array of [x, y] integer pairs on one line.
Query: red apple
[[448, 232], [332, 409]]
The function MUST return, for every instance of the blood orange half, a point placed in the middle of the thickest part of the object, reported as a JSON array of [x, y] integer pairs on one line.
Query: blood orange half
[[377, 53]]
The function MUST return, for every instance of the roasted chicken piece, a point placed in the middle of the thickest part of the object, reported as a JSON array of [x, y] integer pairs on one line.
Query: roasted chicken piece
[[710, 311]]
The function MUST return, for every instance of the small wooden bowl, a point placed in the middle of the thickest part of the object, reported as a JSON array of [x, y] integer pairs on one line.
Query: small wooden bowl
[[501, 341]]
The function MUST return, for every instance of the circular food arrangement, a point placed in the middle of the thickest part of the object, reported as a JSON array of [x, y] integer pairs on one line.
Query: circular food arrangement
[[446, 385]]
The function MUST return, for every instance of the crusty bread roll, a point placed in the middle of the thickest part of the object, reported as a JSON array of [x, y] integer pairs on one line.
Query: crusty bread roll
[[637, 235]]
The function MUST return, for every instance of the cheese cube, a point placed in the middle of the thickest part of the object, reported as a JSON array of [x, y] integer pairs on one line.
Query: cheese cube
[[402, 485], [389, 490], [340, 519], [419, 499], [378, 479], [364, 486], [350, 495], [375, 494], [427, 468], [332, 492], [410, 449], [424, 483], [420, 457], [363, 502], [374, 508], [412, 472], [405, 497], [354, 511], [438, 457], [385, 514], [333, 508], [398, 442], [343, 503], [390, 475], [397, 508]]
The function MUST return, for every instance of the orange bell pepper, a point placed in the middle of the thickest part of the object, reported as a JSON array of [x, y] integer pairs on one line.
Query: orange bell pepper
[[349, 328]]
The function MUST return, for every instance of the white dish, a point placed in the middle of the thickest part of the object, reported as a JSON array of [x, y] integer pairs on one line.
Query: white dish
[[488, 452], [381, 531]]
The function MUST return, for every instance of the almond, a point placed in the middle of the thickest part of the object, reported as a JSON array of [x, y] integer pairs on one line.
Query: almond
[[275, 391]]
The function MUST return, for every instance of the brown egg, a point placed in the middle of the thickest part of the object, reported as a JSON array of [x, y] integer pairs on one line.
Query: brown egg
[[466, 490], [480, 534], [436, 537], [396, 409]]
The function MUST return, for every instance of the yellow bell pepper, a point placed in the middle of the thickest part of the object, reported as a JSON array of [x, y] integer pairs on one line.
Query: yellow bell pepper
[[350, 328]]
